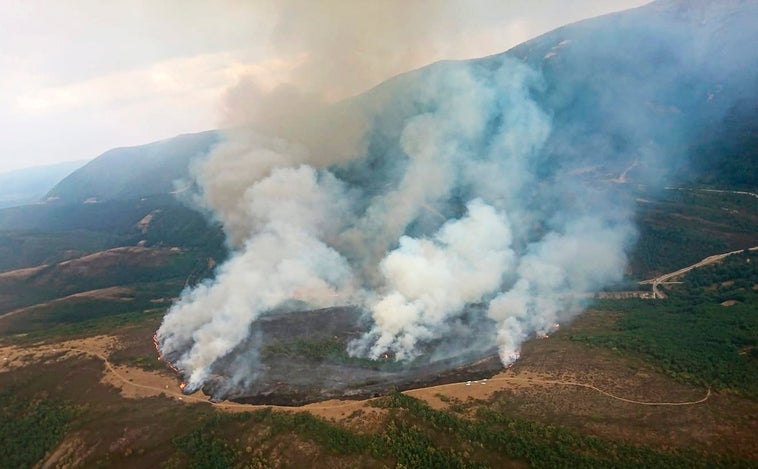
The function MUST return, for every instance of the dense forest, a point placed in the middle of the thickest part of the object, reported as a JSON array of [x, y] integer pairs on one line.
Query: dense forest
[[415, 435], [29, 427], [679, 226], [705, 332], [727, 154]]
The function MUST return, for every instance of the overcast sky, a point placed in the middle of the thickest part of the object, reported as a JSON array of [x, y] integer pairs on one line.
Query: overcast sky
[[78, 77]]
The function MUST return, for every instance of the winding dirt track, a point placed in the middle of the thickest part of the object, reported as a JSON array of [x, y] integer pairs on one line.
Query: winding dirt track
[[337, 404], [532, 381]]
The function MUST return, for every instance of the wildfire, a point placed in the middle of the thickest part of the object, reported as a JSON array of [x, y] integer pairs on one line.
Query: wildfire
[[546, 335], [182, 386], [160, 357], [155, 344]]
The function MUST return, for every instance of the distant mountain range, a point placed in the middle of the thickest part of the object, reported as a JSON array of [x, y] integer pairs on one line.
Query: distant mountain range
[[134, 172], [29, 185]]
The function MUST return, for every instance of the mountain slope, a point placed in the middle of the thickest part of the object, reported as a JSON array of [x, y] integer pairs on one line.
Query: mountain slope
[[133, 172], [25, 186], [664, 89], [656, 85]]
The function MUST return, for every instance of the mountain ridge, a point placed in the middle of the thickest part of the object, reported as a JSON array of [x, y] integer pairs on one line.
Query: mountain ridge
[[675, 69], [134, 172], [29, 185]]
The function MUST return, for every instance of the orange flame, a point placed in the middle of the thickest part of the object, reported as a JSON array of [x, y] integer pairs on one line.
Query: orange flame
[[160, 357]]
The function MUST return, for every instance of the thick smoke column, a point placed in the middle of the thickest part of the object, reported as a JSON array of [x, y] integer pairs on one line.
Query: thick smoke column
[[550, 274], [439, 207], [291, 211], [430, 281]]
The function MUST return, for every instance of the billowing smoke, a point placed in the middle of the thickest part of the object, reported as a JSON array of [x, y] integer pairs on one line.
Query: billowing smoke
[[292, 211], [428, 281], [440, 205]]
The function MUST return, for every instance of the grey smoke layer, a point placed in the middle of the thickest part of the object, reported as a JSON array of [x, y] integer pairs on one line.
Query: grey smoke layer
[[440, 205]]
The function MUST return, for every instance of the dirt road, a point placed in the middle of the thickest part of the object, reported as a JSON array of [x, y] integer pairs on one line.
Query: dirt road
[[657, 294], [720, 191], [529, 381]]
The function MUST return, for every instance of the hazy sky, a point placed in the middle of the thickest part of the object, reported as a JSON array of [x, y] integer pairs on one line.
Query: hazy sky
[[79, 77]]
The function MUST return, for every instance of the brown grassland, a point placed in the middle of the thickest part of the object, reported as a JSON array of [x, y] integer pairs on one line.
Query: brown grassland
[[131, 410]]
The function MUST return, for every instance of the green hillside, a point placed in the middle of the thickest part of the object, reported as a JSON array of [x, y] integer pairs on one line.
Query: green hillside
[[26, 186], [133, 172]]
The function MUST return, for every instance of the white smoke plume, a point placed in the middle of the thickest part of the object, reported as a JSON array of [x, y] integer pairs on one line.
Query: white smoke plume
[[291, 211], [552, 275], [437, 209], [428, 281]]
